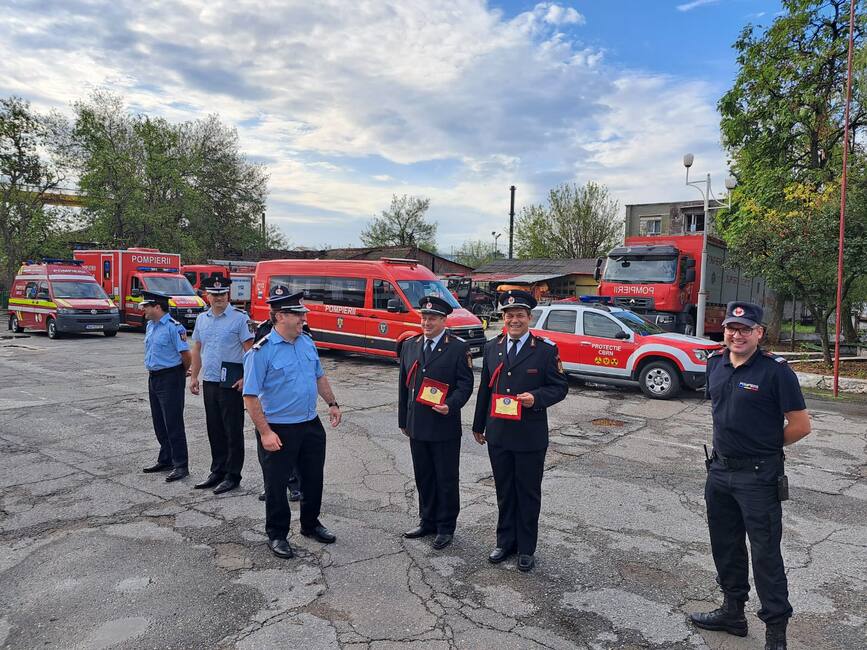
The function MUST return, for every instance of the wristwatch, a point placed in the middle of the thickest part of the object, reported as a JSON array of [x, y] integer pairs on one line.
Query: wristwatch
[[330, 404]]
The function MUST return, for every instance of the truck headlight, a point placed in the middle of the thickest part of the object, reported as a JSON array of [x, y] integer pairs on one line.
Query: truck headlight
[[701, 355], [64, 310], [666, 318], [113, 310]]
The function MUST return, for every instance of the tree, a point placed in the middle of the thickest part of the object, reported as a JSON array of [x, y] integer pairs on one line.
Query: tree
[[475, 253], [31, 165], [782, 123], [579, 222], [403, 224]]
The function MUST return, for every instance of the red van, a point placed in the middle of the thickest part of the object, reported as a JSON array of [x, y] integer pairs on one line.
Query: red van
[[363, 305]]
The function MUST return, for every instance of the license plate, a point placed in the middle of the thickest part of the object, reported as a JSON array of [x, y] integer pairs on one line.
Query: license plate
[[474, 350], [93, 327]]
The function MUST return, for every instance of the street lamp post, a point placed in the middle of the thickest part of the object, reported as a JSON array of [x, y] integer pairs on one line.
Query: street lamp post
[[730, 184], [496, 235]]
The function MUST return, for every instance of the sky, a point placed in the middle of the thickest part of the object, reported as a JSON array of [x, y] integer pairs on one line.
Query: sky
[[347, 103]]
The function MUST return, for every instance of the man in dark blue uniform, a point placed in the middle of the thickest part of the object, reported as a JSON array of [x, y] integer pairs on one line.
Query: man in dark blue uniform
[[757, 409], [282, 377], [436, 380], [167, 358], [521, 378]]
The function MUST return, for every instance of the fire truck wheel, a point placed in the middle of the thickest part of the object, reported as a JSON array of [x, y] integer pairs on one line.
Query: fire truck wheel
[[14, 325], [659, 380], [51, 328], [110, 332]]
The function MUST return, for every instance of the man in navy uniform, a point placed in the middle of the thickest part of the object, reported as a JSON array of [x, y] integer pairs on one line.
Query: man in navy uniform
[[167, 357], [757, 408], [521, 378], [282, 376], [434, 429], [221, 336]]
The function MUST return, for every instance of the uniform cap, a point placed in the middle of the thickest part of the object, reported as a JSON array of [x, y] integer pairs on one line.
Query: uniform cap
[[516, 298], [434, 305], [216, 284], [745, 313], [281, 299], [154, 298]]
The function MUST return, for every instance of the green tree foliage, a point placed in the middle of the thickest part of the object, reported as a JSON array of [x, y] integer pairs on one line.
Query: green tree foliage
[[476, 252], [31, 157], [578, 222], [183, 188], [403, 224], [782, 123]]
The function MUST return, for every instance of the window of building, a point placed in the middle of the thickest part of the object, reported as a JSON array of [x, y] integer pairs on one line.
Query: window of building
[[651, 225], [693, 222], [600, 325], [561, 320]]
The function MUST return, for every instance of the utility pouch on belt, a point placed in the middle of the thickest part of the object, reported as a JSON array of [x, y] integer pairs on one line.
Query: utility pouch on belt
[[783, 488], [707, 459]]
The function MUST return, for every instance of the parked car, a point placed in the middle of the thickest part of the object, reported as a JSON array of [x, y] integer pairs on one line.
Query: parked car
[[602, 343]]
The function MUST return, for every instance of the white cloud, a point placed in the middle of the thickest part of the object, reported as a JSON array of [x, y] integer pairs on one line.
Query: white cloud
[[449, 100], [689, 6]]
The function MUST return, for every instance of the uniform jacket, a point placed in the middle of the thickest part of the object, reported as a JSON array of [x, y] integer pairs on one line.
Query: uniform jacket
[[536, 370], [449, 363]]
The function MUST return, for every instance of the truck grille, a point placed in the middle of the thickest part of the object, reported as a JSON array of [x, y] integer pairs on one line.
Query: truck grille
[[468, 333], [638, 304]]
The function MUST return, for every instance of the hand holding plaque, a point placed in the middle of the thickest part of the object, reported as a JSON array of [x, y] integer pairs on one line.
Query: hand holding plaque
[[506, 407], [432, 393]]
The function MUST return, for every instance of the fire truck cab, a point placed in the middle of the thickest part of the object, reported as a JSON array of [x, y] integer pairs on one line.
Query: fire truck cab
[[123, 275], [363, 306], [59, 296]]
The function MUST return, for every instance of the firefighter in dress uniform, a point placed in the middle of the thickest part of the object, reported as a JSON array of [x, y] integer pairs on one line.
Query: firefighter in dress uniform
[[282, 377], [436, 380], [167, 358], [757, 408], [521, 378]]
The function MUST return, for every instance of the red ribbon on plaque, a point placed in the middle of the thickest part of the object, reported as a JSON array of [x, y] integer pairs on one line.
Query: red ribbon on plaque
[[432, 392]]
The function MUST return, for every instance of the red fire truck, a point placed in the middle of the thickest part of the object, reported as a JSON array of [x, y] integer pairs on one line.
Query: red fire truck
[[363, 306], [123, 274], [240, 272], [658, 277]]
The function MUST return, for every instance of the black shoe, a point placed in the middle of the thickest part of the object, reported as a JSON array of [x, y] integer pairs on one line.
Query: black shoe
[[320, 534], [441, 541], [262, 496], [727, 618], [500, 554], [227, 485], [775, 636], [295, 495], [281, 548], [526, 562], [211, 481], [418, 531], [158, 467], [176, 474]]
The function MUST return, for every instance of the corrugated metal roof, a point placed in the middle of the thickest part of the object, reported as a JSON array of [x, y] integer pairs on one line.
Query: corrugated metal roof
[[530, 278], [551, 267]]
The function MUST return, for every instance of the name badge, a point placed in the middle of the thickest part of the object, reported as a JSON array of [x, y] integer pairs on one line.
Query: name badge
[[505, 407]]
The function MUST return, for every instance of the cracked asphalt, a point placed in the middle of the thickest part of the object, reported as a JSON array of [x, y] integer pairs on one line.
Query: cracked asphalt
[[95, 554]]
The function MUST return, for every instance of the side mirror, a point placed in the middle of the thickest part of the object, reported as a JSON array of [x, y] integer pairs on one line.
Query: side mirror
[[689, 276], [395, 306], [597, 273], [690, 263], [622, 335], [135, 293]]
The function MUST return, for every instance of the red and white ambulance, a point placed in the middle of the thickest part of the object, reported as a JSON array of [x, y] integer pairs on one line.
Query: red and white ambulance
[[123, 274], [58, 296], [609, 344], [368, 306]]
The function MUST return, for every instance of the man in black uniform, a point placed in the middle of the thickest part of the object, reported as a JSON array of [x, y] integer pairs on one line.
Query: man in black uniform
[[436, 380], [521, 377], [757, 408]]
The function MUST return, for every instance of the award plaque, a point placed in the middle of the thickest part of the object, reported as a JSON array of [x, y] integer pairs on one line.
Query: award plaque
[[505, 407], [432, 393]]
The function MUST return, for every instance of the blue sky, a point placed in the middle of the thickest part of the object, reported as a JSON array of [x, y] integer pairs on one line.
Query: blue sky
[[348, 103]]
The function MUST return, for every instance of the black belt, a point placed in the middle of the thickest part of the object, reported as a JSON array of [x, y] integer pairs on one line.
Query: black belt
[[743, 463], [165, 371]]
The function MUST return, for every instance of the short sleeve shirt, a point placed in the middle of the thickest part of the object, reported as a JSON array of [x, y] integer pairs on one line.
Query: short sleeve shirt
[[164, 341], [749, 402], [222, 338], [283, 374]]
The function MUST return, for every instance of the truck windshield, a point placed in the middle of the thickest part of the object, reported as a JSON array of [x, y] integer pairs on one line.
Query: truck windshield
[[641, 269], [415, 290], [74, 289], [169, 285], [637, 324]]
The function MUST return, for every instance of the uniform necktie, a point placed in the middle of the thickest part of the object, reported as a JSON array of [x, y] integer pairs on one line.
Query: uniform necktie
[[513, 351], [428, 348]]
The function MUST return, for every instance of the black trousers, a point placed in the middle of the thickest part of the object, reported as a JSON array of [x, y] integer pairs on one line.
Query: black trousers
[[742, 504], [224, 417], [303, 448], [166, 394], [294, 483], [436, 466], [518, 479]]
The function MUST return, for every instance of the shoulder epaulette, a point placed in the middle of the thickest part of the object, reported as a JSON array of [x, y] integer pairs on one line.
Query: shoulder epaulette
[[548, 341], [501, 338], [418, 338], [258, 344], [174, 322], [457, 338], [775, 357], [716, 353]]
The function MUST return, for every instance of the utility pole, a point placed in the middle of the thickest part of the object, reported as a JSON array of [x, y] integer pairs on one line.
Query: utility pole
[[512, 222]]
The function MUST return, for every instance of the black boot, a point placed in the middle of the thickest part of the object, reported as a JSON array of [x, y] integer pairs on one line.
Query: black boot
[[775, 636], [728, 618]]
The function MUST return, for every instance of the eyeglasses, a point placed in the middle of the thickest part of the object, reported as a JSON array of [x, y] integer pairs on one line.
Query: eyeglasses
[[743, 331]]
